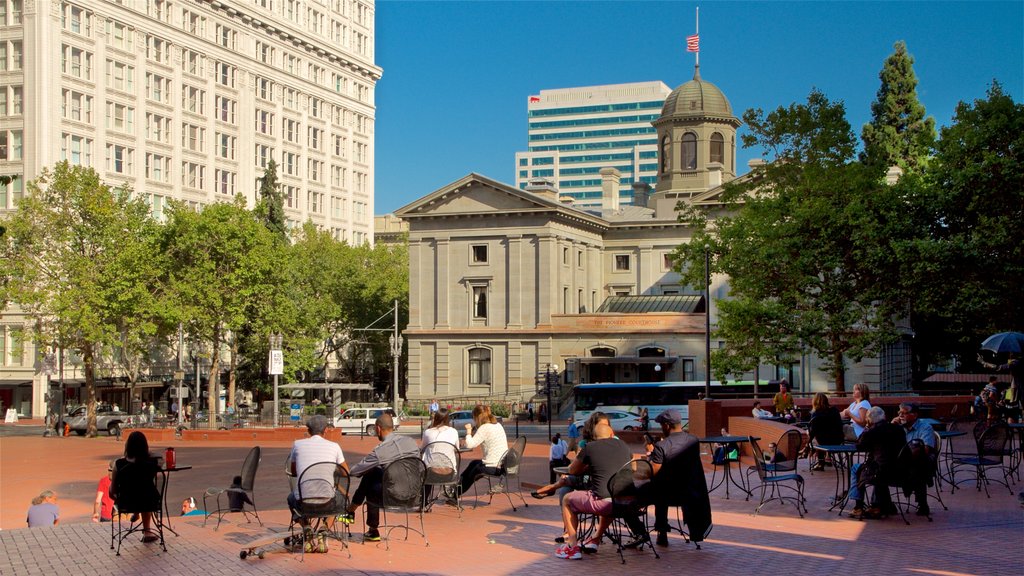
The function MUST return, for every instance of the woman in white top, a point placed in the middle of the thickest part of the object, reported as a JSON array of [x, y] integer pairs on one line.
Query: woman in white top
[[490, 436], [857, 412], [440, 431]]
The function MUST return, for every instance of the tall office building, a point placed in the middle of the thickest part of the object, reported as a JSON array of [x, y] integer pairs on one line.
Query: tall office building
[[574, 132], [188, 100]]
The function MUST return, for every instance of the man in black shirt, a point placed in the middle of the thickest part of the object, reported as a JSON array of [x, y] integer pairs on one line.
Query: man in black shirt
[[678, 480]]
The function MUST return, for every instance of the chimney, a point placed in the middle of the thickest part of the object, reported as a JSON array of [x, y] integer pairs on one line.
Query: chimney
[[610, 178], [543, 187], [715, 174], [755, 163], [641, 193]]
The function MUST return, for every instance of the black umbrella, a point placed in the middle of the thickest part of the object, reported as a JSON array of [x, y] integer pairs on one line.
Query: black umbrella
[[1004, 342]]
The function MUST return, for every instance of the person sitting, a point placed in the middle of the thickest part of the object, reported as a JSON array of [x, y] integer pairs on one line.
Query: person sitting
[[882, 442], [758, 412], [857, 412], [306, 452], [567, 482], [783, 402], [825, 427], [392, 447], [923, 456], [490, 436], [133, 485], [441, 457], [188, 508], [44, 510], [678, 479], [601, 458]]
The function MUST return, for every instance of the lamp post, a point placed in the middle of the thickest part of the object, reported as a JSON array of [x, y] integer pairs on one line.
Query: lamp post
[[707, 321], [276, 367], [550, 378], [396, 352]]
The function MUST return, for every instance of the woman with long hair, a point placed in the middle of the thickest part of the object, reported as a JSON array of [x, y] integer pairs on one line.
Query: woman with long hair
[[825, 427], [490, 436], [133, 485]]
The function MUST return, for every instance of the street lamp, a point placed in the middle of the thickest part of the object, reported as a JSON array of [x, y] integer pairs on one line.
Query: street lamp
[[396, 352], [550, 379], [276, 367], [707, 321]]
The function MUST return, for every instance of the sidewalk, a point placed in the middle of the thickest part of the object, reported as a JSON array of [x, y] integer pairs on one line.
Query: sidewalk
[[978, 535]]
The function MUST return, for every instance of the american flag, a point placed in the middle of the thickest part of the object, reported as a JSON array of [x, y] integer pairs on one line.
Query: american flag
[[534, 99], [693, 43]]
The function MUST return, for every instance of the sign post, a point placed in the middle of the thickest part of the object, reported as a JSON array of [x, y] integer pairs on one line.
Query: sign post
[[276, 368]]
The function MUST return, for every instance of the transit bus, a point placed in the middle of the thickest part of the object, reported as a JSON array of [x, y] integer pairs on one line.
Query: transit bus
[[655, 396]]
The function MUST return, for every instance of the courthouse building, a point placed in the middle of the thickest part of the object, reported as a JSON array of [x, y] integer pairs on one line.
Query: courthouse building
[[508, 282], [188, 101]]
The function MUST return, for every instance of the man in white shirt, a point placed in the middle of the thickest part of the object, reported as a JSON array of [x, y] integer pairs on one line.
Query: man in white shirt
[[309, 451]]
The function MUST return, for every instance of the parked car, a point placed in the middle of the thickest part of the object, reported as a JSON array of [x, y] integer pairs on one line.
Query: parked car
[[106, 419], [619, 419], [459, 418], [359, 420], [223, 421]]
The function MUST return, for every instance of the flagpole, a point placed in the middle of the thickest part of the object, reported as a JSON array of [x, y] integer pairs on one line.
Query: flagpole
[[697, 30]]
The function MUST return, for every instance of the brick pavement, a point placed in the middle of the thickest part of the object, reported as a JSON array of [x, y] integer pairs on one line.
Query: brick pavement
[[978, 535]]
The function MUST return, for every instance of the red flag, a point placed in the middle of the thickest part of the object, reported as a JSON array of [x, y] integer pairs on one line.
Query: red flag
[[534, 98], [693, 43]]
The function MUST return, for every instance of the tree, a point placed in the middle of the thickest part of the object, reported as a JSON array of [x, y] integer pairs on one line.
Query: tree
[[899, 134], [226, 268], [807, 245], [270, 207], [77, 260], [972, 258]]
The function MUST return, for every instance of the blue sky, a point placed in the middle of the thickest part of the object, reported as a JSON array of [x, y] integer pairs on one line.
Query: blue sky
[[457, 75]]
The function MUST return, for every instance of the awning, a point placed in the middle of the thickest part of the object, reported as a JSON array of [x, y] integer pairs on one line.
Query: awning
[[625, 360], [327, 386], [691, 303]]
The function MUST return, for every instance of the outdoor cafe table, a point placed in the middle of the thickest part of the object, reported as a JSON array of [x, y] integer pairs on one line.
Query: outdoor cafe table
[[842, 461], [727, 476], [946, 437], [166, 473]]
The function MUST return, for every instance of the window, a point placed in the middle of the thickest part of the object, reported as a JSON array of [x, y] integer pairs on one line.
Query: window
[[264, 122], [73, 19], [315, 201], [315, 137], [120, 35], [479, 367], [225, 182], [3, 54], [119, 159], [14, 151], [17, 97], [120, 117], [688, 369], [665, 153], [192, 62], [159, 9], [622, 262], [688, 151], [74, 105], [265, 52], [360, 181], [265, 89], [193, 23], [120, 76], [579, 259], [717, 148], [566, 301], [16, 55], [76, 62], [158, 88], [291, 130], [316, 171], [337, 207], [360, 150], [479, 254], [290, 163], [192, 99], [225, 74], [579, 298], [158, 128], [291, 98], [158, 167], [338, 176], [17, 348], [225, 36], [192, 174], [565, 256], [316, 107], [480, 302], [226, 146], [291, 196], [263, 155], [192, 137], [340, 143], [225, 109], [3, 105], [666, 262], [158, 49]]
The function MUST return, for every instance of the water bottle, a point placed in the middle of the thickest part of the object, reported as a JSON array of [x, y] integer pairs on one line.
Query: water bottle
[[169, 458]]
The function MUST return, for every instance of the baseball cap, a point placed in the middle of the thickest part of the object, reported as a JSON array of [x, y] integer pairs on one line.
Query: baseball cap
[[670, 416]]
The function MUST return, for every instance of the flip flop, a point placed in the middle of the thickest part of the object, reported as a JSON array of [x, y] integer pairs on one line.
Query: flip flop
[[150, 538], [539, 495]]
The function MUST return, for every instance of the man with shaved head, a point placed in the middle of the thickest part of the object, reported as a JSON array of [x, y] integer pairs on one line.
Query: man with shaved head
[[601, 458]]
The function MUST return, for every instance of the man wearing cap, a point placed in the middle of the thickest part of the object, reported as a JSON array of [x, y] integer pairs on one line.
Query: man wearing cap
[[308, 451], [678, 479]]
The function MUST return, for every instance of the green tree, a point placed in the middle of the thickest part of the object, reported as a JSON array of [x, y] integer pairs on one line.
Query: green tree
[[806, 237], [971, 264], [77, 259], [270, 207], [899, 133], [226, 268]]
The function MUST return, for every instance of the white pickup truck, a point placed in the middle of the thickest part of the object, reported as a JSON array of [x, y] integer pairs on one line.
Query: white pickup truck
[[106, 419]]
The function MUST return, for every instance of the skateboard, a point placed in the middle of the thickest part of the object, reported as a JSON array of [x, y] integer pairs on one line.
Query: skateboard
[[259, 546]]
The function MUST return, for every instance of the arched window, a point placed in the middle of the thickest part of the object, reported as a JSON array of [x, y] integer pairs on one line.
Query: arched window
[[664, 154], [479, 367], [689, 151], [717, 148]]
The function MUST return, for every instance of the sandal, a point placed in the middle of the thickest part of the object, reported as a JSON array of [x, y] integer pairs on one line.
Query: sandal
[[539, 495], [150, 537]]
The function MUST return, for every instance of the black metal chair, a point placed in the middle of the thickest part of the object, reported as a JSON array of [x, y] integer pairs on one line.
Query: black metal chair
[[937, 479], [786, 457], [402, 493], [137, 489], [992, 446], [777, 482], [629, 508], [913, 468], [323, 496], [508, 472], [238, 495], [442, 460]]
